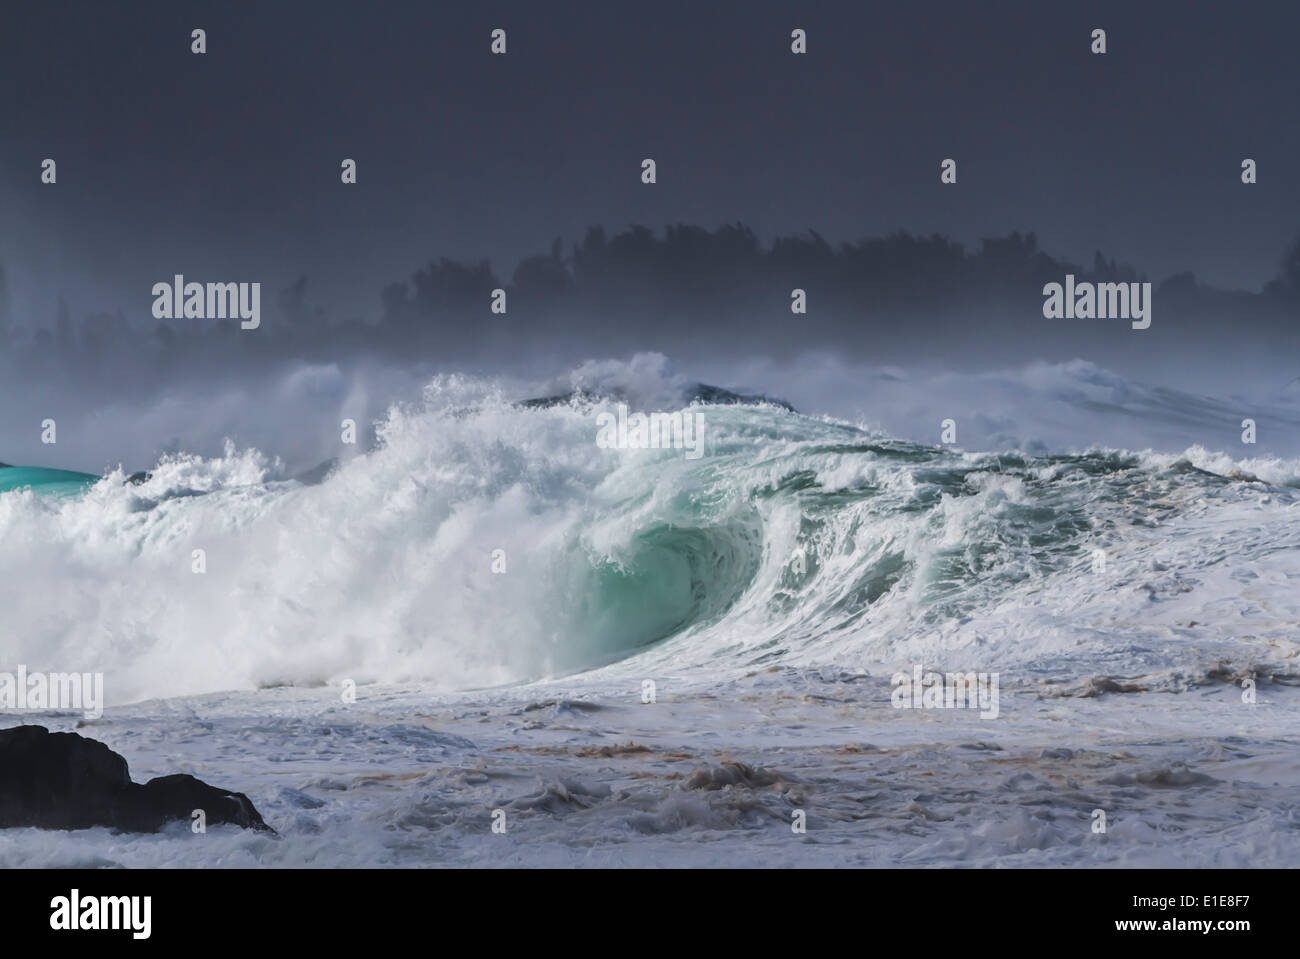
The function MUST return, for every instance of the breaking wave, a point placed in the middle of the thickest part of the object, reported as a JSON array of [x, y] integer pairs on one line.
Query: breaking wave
[[483, 542]]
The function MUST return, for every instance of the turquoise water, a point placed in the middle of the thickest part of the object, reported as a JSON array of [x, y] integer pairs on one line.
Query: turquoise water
[[64, 482]]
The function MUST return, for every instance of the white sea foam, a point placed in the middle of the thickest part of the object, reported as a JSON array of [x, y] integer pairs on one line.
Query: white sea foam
[[794, 539], [768, 590]]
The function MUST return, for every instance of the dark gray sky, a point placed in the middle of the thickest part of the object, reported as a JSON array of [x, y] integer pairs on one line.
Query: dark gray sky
[[226, 166]]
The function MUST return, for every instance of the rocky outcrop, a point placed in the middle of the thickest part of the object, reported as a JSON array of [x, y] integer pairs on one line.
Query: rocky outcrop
[[697, 393], [66, 781]]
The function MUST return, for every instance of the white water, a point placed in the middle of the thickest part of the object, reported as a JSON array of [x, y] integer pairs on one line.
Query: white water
[[826, 552], [794, 540]]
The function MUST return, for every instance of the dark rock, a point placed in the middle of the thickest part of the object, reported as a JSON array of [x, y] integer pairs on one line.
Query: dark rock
[[167, 798], [317, 474], [716, 394], [138, 478], [66, 781], [699, 393], [562, 399]]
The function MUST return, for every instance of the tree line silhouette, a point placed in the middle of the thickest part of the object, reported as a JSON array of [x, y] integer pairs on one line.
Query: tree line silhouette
[[688, 286]]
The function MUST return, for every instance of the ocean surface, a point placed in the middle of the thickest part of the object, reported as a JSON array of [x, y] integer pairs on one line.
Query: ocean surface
[[639, 657]]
